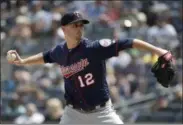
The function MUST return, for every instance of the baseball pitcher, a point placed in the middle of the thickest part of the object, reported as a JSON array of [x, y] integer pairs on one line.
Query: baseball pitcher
[[82, 62]]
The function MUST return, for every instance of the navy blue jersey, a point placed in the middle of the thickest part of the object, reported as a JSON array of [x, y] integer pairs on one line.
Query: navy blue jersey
[[84, 70]]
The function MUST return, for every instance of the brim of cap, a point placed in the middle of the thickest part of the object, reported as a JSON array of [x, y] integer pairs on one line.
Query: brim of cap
[[84, 21]]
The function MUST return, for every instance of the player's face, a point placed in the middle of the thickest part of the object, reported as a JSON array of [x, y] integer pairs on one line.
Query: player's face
[[74, 31]]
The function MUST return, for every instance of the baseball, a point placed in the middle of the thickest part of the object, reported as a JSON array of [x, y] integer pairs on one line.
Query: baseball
[[11, 57]]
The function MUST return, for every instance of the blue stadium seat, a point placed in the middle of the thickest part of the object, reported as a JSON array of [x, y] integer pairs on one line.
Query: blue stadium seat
[[178, 118], [175, 107], [162, 117], [143, 117]]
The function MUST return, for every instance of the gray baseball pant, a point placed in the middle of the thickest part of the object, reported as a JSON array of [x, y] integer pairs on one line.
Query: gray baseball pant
[[104, 115]]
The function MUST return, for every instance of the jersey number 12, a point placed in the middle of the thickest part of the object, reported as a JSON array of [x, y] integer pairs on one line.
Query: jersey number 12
[[87, 79]]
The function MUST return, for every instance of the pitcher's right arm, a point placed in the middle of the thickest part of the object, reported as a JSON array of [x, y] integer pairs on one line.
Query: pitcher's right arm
[[31, 60]]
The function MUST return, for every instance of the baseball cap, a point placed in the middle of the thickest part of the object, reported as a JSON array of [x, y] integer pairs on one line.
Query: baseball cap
[[72, 17]]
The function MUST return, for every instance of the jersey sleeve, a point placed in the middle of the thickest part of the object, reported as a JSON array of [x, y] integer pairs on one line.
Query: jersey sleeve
[[106, 48], [50, 56]]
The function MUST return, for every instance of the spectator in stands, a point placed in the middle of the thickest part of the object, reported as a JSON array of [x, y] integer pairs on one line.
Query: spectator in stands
[[111, 78], [57, 33], [112, 13], [32, 116], [124, 88], [54, 108], [22, 77], [160, 105], [163, 33], [142, 26], [178, 93], [21, 35], [95, 9], [40, 99], [14, 106], [41, 20]]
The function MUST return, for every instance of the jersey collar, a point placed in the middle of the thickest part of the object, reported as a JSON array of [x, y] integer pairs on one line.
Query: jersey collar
[[69, 50]]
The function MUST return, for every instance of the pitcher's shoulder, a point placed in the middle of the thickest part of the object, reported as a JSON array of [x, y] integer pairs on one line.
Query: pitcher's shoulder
[[89, 42]]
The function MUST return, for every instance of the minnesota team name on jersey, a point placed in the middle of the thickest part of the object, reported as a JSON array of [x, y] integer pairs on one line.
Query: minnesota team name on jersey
[[68, 71]]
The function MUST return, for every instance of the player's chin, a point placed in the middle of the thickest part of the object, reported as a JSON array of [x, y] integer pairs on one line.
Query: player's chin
[[79, 37]]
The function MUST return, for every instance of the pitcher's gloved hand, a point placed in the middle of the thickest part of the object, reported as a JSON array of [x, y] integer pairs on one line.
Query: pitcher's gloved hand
[[164, 69]]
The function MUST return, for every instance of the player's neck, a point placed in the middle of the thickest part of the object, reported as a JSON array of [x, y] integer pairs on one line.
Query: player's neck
[[72, 43]]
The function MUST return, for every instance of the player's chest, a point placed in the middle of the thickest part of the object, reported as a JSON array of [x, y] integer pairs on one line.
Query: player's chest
[[74, 62], [74, 58]]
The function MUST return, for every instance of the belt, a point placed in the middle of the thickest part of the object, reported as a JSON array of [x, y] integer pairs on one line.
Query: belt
[[88, 109]]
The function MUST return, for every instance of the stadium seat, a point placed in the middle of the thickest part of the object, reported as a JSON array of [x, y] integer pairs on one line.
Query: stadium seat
[[162, 117], [176, 100], [179, 118], [175, 107], [143, 117]]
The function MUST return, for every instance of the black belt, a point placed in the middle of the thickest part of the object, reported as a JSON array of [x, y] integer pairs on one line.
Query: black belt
[[86, 109]]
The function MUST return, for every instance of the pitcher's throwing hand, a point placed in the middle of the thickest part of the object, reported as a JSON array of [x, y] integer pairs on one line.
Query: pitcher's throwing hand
[[14, 58]]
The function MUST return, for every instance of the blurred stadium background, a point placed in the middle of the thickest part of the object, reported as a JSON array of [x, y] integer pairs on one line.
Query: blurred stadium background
[[34, 94]]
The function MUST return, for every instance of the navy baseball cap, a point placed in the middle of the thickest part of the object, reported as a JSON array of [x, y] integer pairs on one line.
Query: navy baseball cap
[[72, 17]]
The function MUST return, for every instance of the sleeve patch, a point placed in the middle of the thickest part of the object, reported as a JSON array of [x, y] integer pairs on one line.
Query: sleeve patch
[[105, 42]]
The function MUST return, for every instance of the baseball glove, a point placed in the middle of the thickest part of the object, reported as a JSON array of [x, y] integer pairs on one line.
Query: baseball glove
[[164, 69]]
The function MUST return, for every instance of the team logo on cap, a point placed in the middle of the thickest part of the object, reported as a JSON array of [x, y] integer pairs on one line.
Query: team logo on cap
[[77, 14], [106, 42]]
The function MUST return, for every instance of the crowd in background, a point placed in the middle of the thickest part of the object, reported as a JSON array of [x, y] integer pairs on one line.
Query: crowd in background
[[35, 94]]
